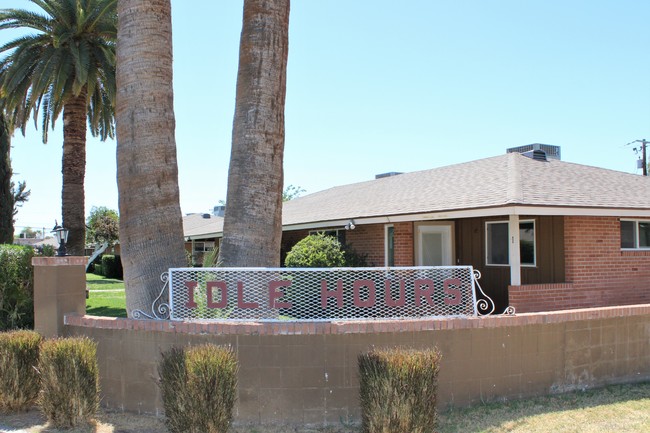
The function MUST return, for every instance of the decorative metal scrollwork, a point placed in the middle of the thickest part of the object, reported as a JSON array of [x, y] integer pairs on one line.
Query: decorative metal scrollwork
[[485, 305], [160, 307]]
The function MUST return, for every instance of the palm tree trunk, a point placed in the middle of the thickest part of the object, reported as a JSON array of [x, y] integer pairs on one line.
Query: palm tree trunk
[[6, 195], [253, 221], [151, 232], [74, 172]]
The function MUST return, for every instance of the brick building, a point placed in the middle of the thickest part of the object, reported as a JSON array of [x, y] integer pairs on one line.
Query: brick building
[[545, 234]]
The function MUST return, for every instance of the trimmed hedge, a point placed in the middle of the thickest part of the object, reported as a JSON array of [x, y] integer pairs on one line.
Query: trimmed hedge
[[19, 380], [398, 390], [112, 267], [199, 388], [70, 381], [16, 287]]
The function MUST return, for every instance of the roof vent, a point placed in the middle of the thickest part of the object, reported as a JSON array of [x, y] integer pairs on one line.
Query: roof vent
[[537, 155], [219, 211], [389, 174], [206, 216], [552, 152]]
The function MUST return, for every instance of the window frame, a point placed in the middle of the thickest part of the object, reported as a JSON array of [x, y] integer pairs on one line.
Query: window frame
[[637, 234], [523, 221], [387, 243]]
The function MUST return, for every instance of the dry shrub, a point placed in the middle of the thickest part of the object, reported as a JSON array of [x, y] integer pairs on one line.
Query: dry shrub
[[199, 386], [19, 381], [398, 390], [70, 381]]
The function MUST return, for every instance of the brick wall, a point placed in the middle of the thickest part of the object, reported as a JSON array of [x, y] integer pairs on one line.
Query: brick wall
[[598, 273], [404, 249], [302, 373], [368, 240]]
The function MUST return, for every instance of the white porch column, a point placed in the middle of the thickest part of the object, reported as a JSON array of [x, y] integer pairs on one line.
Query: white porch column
[[515, 258]]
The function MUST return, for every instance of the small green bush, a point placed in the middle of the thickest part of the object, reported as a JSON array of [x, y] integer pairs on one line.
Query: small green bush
[[19, 381], [16, 287], [69, 380], [97, 269], [198, 387], [112, 267], [316, 251], [398, 390]]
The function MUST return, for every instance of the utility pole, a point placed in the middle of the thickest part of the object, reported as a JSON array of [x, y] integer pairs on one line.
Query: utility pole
[[644, 157]]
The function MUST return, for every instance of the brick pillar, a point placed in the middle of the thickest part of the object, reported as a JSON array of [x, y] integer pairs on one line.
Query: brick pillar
[[59, 289]]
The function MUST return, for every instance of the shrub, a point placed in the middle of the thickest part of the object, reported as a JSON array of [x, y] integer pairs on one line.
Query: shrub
[[198, 387], [316, 251], [112, 266], [16, 287], [19, 381], [398, 390], [70, 381], [97, 269]]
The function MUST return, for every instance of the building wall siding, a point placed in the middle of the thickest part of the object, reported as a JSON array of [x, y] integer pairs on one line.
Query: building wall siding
[[598, 272]]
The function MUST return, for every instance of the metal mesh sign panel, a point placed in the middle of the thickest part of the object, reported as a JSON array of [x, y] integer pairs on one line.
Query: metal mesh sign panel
[[321, 294]]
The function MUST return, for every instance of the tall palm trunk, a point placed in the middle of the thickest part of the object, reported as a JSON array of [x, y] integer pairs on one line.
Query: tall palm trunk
[[253, 221], [74, 172], [151, 232], [6, 194]]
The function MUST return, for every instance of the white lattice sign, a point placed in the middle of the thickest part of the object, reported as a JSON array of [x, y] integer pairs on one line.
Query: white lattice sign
[[321, 294]]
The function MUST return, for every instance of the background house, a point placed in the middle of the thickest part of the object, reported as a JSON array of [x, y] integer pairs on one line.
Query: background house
[[545, 234]]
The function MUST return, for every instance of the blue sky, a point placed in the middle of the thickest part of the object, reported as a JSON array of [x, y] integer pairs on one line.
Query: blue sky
[[376, 86]]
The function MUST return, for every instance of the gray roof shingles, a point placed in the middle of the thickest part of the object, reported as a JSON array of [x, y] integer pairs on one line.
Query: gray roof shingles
[[510, 179]]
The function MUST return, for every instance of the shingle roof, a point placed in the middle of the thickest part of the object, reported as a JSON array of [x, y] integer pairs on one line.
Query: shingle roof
[[506, 180]]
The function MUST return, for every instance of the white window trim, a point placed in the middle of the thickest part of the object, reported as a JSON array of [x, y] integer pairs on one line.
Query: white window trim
[[636, 232], [386, 227], [523, 265]]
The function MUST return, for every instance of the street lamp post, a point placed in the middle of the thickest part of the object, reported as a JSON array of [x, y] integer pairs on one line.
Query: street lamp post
[[61, 235]]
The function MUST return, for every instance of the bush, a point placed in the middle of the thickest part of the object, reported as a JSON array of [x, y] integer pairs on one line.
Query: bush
[[398, 390], [70, 381], [316, 251], [97, 269], [198, 387], [112, 267], [16, 287], [19, 381]]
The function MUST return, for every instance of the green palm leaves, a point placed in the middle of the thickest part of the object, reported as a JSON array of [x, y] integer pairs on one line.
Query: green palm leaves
[[71, 52]]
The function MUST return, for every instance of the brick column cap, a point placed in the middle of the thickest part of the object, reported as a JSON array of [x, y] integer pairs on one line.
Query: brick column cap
[[60, 261]]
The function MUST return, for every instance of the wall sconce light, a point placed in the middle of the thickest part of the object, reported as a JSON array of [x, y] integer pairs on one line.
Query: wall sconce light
[[61, 235], [350, 225]]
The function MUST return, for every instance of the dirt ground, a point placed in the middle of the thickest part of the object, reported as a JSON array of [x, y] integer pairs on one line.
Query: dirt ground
[[119, 422]]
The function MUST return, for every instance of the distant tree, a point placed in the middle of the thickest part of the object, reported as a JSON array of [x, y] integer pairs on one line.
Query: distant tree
[[65, 66], [6, 194], [102, 226], [29, 233], [291, 192]]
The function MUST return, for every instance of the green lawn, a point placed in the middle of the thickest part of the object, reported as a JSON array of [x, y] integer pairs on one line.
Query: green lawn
[[106, 296]]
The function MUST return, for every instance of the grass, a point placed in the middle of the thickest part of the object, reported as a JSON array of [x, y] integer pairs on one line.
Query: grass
[[106, 297], [620, 408]]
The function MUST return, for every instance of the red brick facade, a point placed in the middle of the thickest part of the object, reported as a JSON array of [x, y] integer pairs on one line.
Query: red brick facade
[[598, 272]]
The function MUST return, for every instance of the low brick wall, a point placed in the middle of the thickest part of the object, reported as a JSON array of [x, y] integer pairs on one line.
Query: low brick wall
[[306, 373], [530, 298]]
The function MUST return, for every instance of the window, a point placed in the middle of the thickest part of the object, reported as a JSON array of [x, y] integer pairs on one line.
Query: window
[[338, 234], [496, 241], [202, 247], [390, 245], [635, 235]]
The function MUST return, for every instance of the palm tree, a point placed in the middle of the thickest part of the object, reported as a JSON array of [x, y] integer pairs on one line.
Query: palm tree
[[6, 194], [67, 66], [253, 221], [151, 231]]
